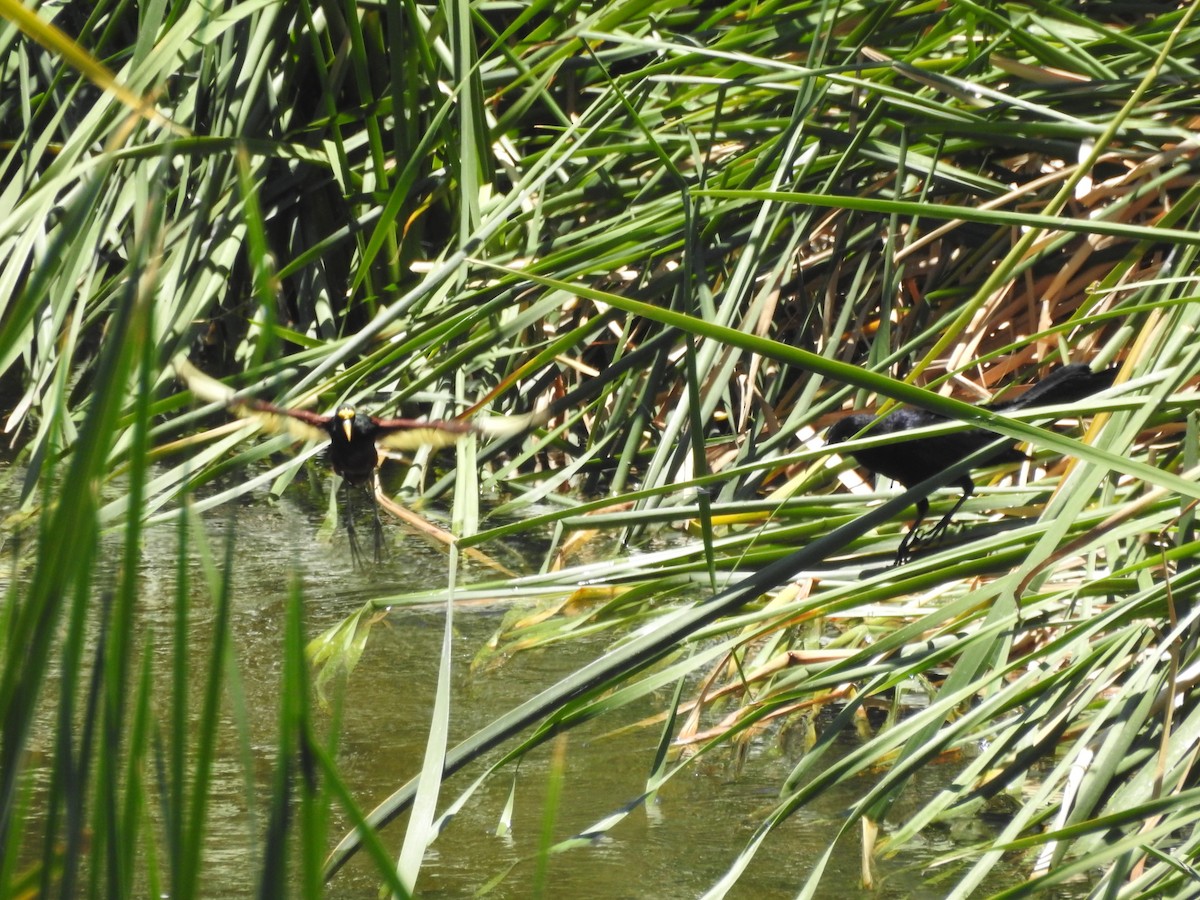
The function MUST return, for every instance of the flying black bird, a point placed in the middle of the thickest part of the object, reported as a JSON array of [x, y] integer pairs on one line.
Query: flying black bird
[[914, 460], [355, 438]]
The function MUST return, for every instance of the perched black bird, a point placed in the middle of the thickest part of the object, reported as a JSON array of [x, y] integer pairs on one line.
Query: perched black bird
[[914, 460], [355, 438]]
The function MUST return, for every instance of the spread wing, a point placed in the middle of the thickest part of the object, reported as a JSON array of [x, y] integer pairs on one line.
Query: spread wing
[[408, 434], [203, 387], [392, 434], [299, 423], [500, 427]]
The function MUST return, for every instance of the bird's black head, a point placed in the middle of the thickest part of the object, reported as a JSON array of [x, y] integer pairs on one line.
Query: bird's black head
[[844, 429], [348, 425], [352, 448]]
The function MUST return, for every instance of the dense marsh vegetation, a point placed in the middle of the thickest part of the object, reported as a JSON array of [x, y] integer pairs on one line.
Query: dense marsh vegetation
[[692, 237]]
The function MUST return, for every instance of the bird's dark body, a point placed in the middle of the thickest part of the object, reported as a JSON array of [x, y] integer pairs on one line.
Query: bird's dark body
[[352, 451], [912, 461]]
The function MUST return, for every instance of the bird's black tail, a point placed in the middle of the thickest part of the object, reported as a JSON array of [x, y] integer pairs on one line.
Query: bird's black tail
[[1064, 385]]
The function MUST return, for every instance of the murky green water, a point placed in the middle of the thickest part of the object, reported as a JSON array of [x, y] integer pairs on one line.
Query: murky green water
[[676, 847]]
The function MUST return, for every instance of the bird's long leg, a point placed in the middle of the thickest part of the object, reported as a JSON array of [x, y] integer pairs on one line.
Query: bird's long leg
[[938, 531], [904, 551], [356, 556], [373, 489]]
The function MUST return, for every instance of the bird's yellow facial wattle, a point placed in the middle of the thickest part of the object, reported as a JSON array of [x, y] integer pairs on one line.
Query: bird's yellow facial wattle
[[346, 414]]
